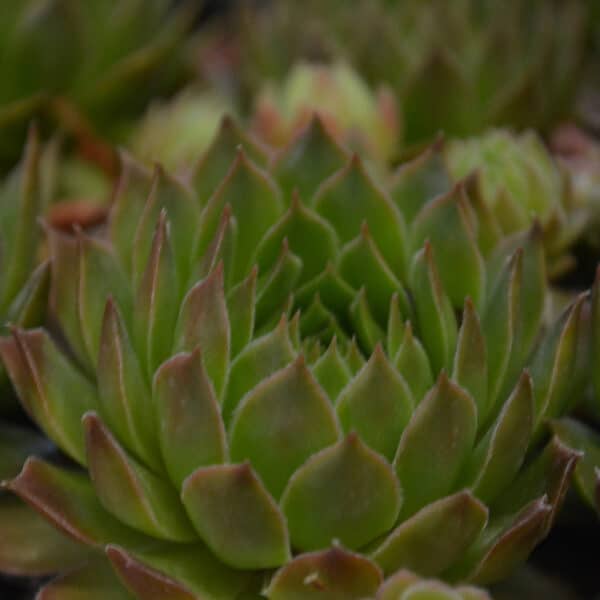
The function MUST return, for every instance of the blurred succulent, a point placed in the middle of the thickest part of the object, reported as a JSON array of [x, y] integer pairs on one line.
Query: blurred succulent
[[23, 293], [521, 182], [23, 288], [579, 154], [352, 113], [105, 60], [299, 397], [584, 434], [456, 66], [405, 585], [177, 132]]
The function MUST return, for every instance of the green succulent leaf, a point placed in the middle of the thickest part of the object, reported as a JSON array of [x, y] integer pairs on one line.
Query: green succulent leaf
[[350, 198], [129, 490], [288, 411], [41, 375], [236, 516], [435, 444], [340, 574], [330, 497], [444, 222], [435, 317], [188, 418], [93, 581], [377, 404], [435, 537]]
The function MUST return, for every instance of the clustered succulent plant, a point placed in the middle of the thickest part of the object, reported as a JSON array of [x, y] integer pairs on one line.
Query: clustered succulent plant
[[282, 376], [456, 66], [521, 183], [86, 66], [320, 349], [360, 119]]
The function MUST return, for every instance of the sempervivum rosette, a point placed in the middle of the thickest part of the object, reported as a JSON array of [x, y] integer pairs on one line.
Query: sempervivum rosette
[[359, 118], [456, 66], [521, 182], [90, 66], [283, 378]]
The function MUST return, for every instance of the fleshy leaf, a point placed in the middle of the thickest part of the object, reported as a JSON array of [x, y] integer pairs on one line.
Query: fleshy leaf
[[319, 322], [331, 497], [336, 573], [585, 439], [298, 225], [553, 367], [281, 423], [255, 201], [30, 545], [435, 317], [29, 308], [511, 545], [93, 581], [50, 388], [189, 424], [435, 444], [501, 452], [435, 537], [236, 517], [361, 264], [308, 159], [350, 198], [203, 322], [18, 225], [178, 572], [331, 371], [157, 301], [256, 362], [368, 332], [240, 309], [354, 358], [470, 360], [395, 326], [100, 276], [215, 163], [123, 392], [548, 475], [333, 290], [277, 285], [220, 250], [531, 291], [412, 363], [488, 229], [130, 491], [498, 325], [67, 499], [444, 222], [130, 198], [176, 201], [377, 404], [417, 182], [64, 286]]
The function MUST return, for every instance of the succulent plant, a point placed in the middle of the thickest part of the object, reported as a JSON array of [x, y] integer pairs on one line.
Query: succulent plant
[[457, 67], [176, 132], [584, 434], [521, 182], [281, 377], [89, 67], [362, 120], [22, 287], [404, 585]]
